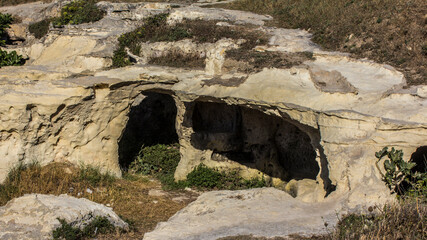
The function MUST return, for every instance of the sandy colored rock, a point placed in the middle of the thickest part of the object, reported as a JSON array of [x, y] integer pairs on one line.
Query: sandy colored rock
[[318, 123], [35, 216], [264, 212]]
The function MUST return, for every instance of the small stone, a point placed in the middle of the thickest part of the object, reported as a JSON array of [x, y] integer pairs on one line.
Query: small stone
[[157, 193]]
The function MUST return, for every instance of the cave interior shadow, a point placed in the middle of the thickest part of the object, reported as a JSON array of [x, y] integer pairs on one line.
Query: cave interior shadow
[[151, 121]]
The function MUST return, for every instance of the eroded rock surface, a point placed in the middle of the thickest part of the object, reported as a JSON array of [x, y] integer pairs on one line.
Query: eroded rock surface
[[35, 216], [264, 212], [316, 124]]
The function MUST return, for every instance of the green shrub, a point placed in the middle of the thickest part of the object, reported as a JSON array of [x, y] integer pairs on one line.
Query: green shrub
[[205, 177], [399, 176], [10, 59], [40, 29], [209, 178], [96, 226], [77, 12], [5, 21], [160, 161], [157, 159], [120, 58]]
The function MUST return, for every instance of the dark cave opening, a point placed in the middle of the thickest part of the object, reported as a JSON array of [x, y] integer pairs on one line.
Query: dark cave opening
[[420, 158], [267, 143], [151, 121]]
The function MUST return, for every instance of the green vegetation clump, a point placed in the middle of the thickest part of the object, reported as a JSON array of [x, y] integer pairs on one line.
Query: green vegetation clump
[[40, 29], [99, 225], [388, 31], [7, 58], [157, 159], [207, 178], [156, 29], [77, 12], [5, 21], [161, 161], [399, 176], [10, 59]]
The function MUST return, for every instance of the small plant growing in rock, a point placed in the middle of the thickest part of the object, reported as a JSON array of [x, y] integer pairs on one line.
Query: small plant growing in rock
[[40, 29], [10, 59], [159, 161], [6, 58], [399, 176], [5, 21], [77, 12]]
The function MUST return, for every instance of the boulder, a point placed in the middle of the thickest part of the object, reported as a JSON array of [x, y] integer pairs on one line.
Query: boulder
[[266, 212], [35, 216]]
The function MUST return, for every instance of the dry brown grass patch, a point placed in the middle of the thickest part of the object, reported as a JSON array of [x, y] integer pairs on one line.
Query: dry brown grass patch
[[249, 61], [387, 31], [179, 59]]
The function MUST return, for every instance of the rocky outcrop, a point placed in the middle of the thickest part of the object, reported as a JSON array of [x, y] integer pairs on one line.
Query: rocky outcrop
[[266, 212], [35, 216], [316, 124]]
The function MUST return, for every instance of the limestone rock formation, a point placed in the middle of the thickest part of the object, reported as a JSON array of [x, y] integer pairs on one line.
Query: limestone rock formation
[[316, 124], [266, 212], [35, 216]]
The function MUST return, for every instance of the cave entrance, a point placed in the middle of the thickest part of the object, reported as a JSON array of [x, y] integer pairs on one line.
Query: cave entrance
[[267, 143], [151, 121], [420, 158]]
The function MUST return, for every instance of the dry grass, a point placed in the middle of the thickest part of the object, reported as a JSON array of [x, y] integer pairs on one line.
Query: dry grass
[[176, 58], [128, 196], [156, 29], [249, 61], [388, 31], [407, 220]]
